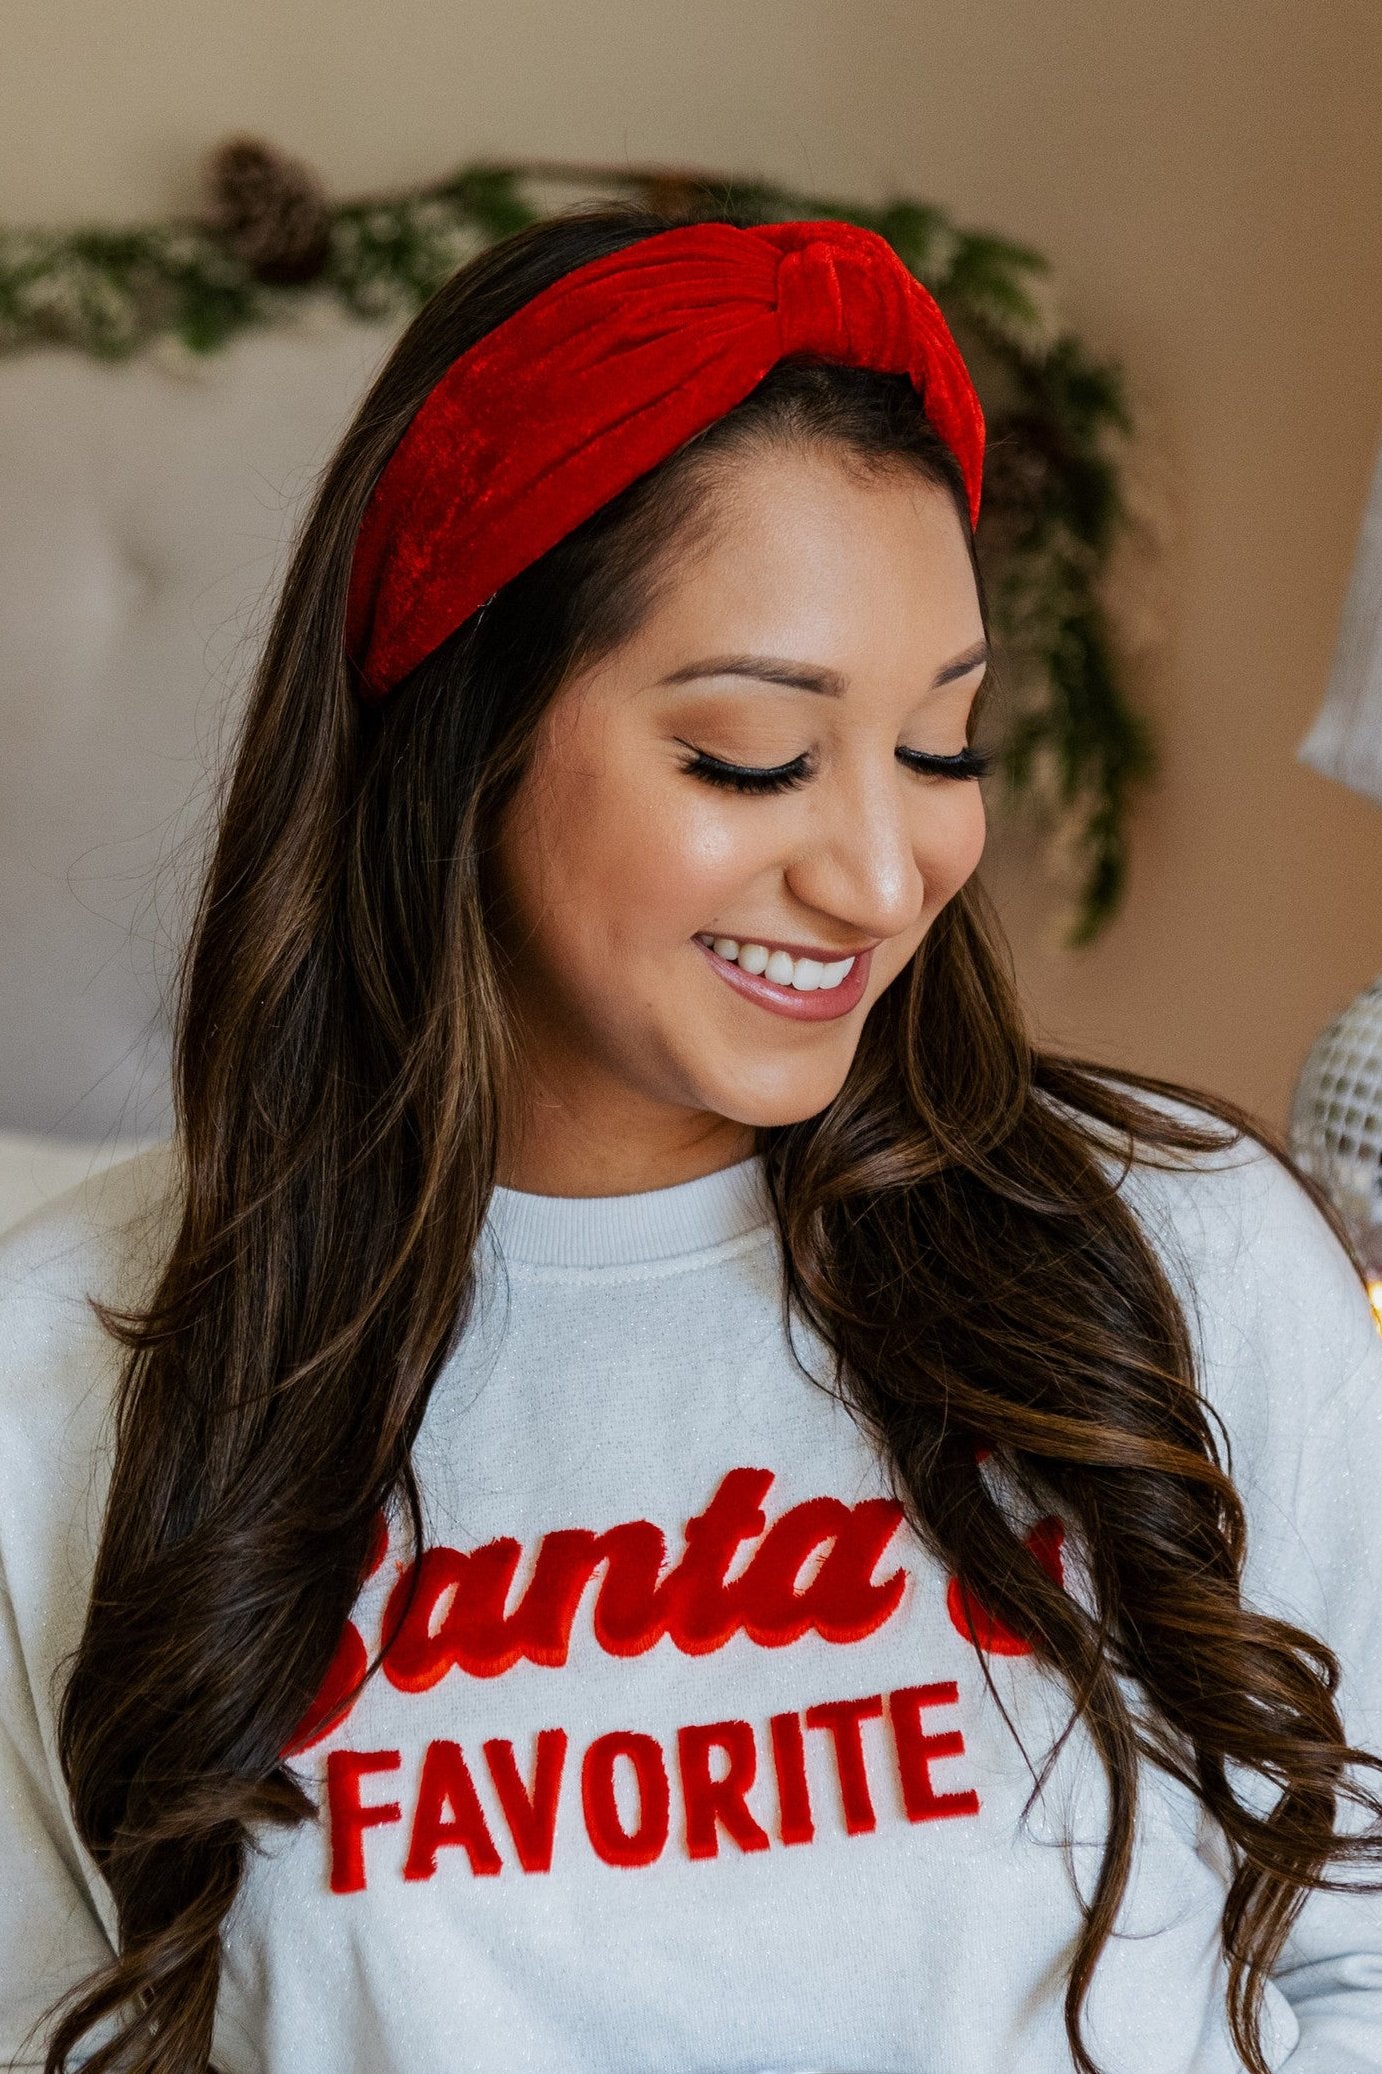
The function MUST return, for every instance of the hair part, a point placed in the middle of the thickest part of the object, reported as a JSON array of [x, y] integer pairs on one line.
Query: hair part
[[338, 1101]]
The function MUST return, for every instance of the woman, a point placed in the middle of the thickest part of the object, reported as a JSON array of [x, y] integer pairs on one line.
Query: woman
[[649, 1486]]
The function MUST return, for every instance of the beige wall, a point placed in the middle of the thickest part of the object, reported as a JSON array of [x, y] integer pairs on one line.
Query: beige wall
[[1206, 178]]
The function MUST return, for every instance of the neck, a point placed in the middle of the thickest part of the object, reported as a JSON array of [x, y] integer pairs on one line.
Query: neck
[[556, 1147]]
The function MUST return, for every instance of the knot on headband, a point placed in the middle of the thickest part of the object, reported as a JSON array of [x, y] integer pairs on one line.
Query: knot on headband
[[842, 305], [602, 375]]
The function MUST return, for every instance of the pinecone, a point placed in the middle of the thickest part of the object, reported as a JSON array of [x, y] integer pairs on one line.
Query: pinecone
[[270, 210]]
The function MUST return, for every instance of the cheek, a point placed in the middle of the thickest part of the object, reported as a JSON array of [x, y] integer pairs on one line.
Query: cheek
[[951, 845], [607, 856], [662, 864]]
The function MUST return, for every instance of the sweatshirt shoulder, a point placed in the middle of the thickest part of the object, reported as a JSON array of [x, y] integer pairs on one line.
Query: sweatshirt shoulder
[[102, 1238], [1286, 1343], [1242, 1238]]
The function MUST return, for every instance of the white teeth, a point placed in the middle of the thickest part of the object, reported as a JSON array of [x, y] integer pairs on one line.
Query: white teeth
[[805, 975]]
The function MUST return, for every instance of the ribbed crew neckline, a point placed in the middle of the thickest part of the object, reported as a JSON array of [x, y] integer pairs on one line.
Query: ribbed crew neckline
[[660, 1224]]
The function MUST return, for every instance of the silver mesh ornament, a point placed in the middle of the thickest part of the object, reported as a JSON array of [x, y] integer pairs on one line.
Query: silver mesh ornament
[[1336, 1118]]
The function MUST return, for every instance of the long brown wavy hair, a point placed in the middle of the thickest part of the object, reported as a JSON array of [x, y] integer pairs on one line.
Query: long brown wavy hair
[[344, 1055]]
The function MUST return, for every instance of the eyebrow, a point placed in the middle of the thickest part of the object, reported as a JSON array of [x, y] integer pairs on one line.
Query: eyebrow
[[770, 669]]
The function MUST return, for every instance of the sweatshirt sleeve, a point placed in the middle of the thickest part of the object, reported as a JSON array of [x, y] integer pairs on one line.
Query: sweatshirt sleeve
[[1330, 1969], [50, 1933], [57, 1369], [1291, 1359]]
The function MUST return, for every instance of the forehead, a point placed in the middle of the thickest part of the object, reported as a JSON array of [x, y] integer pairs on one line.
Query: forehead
[[798, 552]]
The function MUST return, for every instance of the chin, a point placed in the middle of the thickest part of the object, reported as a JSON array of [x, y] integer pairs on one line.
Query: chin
[[771, 1109]]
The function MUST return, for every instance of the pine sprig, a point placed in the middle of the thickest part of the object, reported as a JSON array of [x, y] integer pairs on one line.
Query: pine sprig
[[1072, 750]]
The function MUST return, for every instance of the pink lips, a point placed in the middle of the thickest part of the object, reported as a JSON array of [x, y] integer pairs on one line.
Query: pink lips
[[814, 1007]]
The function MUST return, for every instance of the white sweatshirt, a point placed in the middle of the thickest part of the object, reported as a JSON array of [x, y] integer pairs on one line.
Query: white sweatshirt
[[767, 1816]]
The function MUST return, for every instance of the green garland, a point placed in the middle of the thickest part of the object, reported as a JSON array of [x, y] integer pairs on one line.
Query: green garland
[[1070, 747]]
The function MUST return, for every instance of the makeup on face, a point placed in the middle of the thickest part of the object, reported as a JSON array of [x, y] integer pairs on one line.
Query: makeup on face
[[748, 814]]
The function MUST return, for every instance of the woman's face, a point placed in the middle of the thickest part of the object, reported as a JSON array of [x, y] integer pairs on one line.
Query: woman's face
[[827, 620]]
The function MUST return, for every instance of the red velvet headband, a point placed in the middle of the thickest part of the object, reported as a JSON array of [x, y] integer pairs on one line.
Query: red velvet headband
[[602, 375]]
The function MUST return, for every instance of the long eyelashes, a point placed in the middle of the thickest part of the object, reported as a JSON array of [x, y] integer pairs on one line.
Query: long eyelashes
[[968, 763], [740, 777]]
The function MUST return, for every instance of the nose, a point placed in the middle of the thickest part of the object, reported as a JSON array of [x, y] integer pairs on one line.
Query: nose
[[859, 860]]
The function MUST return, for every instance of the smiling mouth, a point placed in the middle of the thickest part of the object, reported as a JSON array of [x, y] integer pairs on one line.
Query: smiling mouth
[[826, 1000], [803, 973]]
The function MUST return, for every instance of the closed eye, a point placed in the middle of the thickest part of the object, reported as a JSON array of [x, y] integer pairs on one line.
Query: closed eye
[[743, 777], [967, 763]]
